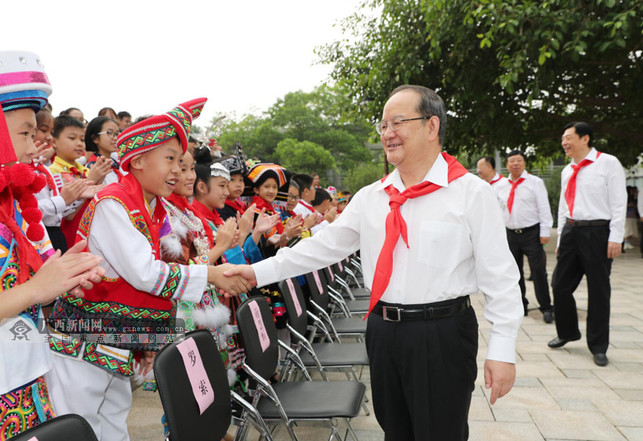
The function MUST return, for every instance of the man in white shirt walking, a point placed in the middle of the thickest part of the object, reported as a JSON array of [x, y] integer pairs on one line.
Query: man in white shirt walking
[[422, 333], [591, 225], [528, 220]]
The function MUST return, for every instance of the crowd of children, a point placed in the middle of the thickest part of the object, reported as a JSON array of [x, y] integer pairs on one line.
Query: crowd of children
[[115, 235]]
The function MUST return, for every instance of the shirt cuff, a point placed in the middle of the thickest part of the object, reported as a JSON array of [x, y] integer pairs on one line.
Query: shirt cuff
[[544, 232], [265, 272], [197, 283], [615, 236], [59, 204], [502, 349]]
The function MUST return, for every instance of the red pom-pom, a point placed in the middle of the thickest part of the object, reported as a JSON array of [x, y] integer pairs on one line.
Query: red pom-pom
[[22, 174], [35, 232], [38, 183], [31, 215], [27, 200]]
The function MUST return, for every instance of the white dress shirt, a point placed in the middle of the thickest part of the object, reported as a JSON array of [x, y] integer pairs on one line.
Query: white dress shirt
[[531, 205], [51, 203], [639, 202], [457, 241], [600, 194], [306, 210], [497, 179]]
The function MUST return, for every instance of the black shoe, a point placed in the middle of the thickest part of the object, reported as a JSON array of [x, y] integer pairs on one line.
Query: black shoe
[[560, 342], [548, 316], [600, 360]]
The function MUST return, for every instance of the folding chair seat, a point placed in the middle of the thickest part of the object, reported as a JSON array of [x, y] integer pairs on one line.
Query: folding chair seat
[[69, 427], [185, 419], [290, 402]]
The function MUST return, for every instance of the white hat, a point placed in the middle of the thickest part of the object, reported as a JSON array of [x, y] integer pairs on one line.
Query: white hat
[[23, 81]]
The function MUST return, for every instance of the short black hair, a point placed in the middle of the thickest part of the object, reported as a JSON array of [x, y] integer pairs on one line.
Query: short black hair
[[303, 180], [321, 195], [582, 129], [489, 159], [66, 121], [123, 114], [515, 153], [94, 127]]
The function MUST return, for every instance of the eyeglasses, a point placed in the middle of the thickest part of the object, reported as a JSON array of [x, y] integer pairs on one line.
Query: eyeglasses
[[110, 133], [394, 123], [293, 198]]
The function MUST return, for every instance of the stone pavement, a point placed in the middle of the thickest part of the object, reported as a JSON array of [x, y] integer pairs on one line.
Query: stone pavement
[[560, 394]]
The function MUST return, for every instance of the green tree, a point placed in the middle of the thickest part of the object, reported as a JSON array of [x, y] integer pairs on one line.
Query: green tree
[[363, 175], [304, 156], [512, 72]]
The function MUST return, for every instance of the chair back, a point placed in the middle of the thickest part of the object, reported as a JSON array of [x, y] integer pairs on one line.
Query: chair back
[[184, 419], [318, 290], [69, 427], [259, 334], [295, 304]]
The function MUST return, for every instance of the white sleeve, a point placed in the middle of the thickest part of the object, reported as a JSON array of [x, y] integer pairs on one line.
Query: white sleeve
[[544, 210], [562, 209], [128, 254], [52, 208], [640, 202], [497, 274], [617, 194], [320, 226], [330, 245]]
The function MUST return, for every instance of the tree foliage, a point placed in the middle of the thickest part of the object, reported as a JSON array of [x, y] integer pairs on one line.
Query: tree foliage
[[304, 156], [512, 72], [305, 120]]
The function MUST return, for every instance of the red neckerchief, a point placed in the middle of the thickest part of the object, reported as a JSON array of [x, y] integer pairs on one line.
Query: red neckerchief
[[496, 180], [182, 204], [307, 205], [50, 180], [115, 167], [570, 191], [236, 205], [211, 215], [28, 258], [512, 193], [260, 204], [75, 172], [155, 221], [396, 226]]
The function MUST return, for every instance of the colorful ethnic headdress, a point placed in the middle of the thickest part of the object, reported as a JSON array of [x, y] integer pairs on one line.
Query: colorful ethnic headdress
[[262, 171], [159, 129], [23, 81]]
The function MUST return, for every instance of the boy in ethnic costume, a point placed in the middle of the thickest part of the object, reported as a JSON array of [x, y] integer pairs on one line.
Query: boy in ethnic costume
[[24, 400], [138, 289]]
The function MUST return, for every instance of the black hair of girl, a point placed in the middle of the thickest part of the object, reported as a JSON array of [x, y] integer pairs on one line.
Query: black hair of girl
[[94, 127], [202, 171], [202, 156], [68, 111]]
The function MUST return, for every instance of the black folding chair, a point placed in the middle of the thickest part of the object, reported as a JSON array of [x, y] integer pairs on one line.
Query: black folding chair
[[69, 427], [291, 402], [185, 422]]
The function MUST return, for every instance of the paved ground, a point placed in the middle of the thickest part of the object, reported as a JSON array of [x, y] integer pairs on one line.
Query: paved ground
[[559, 394]]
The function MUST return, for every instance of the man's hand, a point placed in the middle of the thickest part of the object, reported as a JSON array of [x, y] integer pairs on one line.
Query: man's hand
[[232, 284], [613, 249], [500, 377], [244, 271], [544, 240]]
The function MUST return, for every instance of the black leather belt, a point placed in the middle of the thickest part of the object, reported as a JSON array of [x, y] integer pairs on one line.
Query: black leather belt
[[588, 223], [524, 230], [420, 312]]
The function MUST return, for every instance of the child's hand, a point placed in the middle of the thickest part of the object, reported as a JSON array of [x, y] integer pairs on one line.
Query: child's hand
[[246, 220], [311, 220], [74, 190], [44, 152], [330, 214], [292, 228], [226, 233], [266, 223], [100, 169]]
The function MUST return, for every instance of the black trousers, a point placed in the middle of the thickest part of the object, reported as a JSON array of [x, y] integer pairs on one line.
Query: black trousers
[[528, 244], [583, 251], [422, 375]]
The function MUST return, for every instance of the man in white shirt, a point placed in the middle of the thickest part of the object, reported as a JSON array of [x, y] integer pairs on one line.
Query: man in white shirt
[[591, 225], [639, 205], [486, 168], [528, 220], [422, 332]]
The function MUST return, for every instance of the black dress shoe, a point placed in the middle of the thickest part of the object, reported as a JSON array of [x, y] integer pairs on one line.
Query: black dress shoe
[[548, 316], [600, 360], [560, 342]]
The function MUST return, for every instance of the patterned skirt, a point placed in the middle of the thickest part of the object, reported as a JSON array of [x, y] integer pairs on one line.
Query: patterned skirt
[[24, 408]]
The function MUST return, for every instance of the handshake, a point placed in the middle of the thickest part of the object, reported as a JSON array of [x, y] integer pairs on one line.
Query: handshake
[[232, 279]]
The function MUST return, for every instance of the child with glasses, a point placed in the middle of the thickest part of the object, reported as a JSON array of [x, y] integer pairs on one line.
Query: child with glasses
[[100, 139]]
